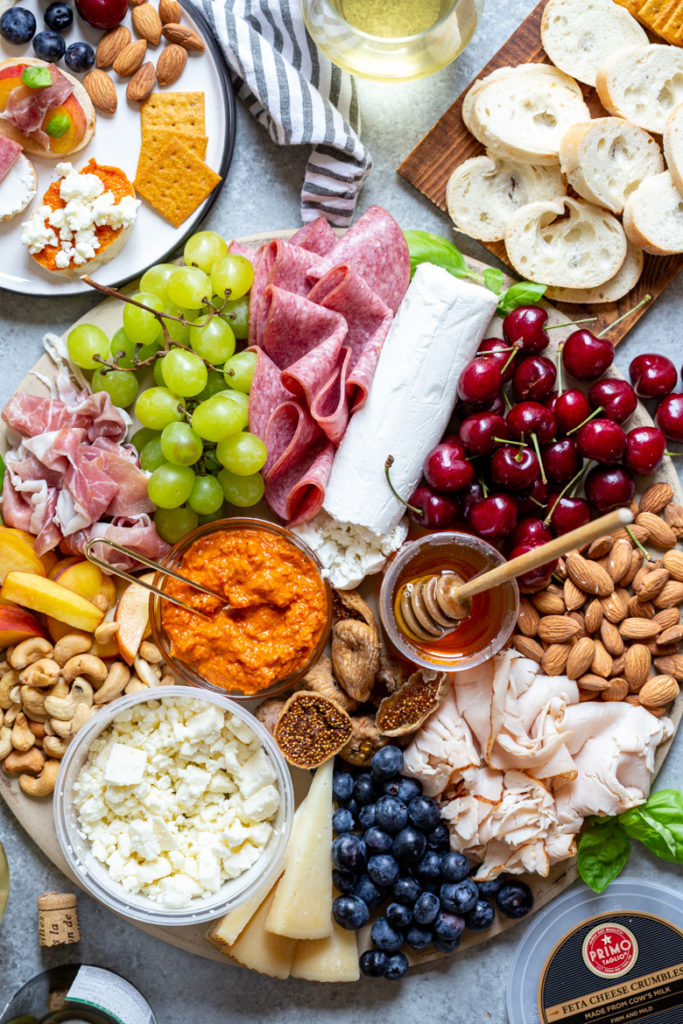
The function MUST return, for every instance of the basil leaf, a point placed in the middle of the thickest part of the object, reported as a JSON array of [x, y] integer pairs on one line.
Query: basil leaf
[[427, 248], [658, 824], [524, 293], [603, 851], [493, 279]]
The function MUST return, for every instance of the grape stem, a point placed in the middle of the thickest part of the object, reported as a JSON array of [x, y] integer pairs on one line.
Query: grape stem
[[387, 467]]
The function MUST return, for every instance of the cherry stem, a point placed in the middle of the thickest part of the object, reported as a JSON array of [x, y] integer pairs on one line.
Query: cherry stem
[[536, 501], [567, 487], [484, 488], [537, 448], [510, 348], [387, 466], [571, 323], [522, 444], [507, 400], [637, 543], [596, 412], [647, 298], [515, 349], [559, 369], [672, 454]]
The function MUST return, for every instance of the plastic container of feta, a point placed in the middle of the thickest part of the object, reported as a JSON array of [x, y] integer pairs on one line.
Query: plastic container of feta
[[94, 876]]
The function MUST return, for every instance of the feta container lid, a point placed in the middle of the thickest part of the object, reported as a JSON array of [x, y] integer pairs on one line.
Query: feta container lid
[[612, 958]]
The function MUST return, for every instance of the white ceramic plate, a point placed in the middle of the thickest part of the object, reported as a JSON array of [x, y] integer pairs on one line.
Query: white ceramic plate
[[117, 141]]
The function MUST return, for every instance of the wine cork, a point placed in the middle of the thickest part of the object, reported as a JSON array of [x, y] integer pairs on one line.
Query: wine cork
[[58, 919]]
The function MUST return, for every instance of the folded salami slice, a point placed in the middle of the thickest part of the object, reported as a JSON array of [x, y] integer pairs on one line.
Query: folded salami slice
[[9, 154], [267, 393], [284, 266], [238, 249], [316, 236], [376, 247], [291, 435], [293, 327], [298, 495]]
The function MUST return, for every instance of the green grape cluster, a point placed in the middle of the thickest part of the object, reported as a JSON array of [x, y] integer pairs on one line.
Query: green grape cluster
[[193, 439]]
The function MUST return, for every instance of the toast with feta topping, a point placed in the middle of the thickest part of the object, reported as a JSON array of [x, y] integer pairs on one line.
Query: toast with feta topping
[[578, 35], [653, 216]]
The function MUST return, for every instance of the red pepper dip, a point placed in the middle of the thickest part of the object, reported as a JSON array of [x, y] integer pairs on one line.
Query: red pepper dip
[[276, 614]]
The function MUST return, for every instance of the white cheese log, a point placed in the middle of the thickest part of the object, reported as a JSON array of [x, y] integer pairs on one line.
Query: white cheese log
[[437, 330]]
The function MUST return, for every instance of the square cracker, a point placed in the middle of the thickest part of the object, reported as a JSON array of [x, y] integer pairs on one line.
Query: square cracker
[[174, 111], [175, 182], [154, 138]]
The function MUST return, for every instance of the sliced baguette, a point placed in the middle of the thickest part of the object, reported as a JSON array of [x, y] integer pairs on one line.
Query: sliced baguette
[[673, 145], [565, 242], [626, 278], [642, 84], [484, 192], [578, 35], [521, 71], [524, 116], [606, 159], [653, 216]]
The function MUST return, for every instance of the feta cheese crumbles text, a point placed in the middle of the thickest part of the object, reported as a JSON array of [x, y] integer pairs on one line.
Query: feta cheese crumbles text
[[175, 798]]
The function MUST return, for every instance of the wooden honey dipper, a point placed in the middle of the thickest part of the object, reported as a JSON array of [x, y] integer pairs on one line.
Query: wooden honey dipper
[[434, 606]]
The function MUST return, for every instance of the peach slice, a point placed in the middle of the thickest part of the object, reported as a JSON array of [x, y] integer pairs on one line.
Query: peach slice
[[18, 556], [17, 624], [86, 579], [50, 598], [132, 615], [63, 564]]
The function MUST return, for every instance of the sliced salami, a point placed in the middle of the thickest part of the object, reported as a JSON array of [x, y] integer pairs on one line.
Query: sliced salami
[[292, 433], [267, 393], [238, 249], [293, 327], [316, 236], [298, 495], [311, 374], [284, 266], [9, 154], [330, 409]]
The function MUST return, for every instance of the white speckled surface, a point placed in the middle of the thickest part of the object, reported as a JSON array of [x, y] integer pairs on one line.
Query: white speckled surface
[[262, 194]]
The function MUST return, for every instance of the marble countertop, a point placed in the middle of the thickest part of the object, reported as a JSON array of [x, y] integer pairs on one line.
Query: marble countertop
[[261, 193]]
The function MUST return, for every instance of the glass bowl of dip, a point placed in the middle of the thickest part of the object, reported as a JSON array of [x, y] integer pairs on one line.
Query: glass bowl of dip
[[279, 617], [493, 614], [92, 873]]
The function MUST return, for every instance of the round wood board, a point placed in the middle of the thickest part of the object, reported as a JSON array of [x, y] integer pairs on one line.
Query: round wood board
[[36, 815]]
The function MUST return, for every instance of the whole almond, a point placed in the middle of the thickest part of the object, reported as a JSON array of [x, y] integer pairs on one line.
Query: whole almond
[[580, 657], [589, 576], [600, 547], [527, 617], [101, 90], [554, 660], [611, 638], [672, 635], [619, 559], [171, 64], [616, 691], [169, 11], [655, 498], [602, 663], [557, 629], [586, 695], [641, 533], [142, 83], [637, 663], [671, 594], [658, 691], [673, 517], [578, 619], [641, 609], [573, 597], [183, 36], [549, 601], [110, 45], [593, 683], [668, 617], [639, 629], [592, 616], [637, 558], [661, 534], [561, 569], [662, 650], [673, 563], [672, 666], [130, 58], [614, 607], [528, 647], [618, 665], [652, 585], [147, 23]]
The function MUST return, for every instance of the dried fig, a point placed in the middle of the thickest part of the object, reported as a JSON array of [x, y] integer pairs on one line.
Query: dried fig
[[321, 680], [355, 657], [405, 711], [365, 741]]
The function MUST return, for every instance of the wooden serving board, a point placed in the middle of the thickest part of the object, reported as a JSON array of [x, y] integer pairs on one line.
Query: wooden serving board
[[36, 815], [445, 146]]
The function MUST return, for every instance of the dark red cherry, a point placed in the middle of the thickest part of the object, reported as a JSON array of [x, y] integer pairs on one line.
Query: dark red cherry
[[514, 468], [467, 498], [561, 460], [567, 513], [102, 14], [500, 350], [534, 579], [652, 375], [669, 416], [570, 409], [498, 405], [532, 530], [585, 356], [609, 487], [534, 378], [524, 325], [446, 468], [602, 440], [616, 397], [533, 501], [527, 418], [479, 431], [480, 380], [493, 517], [645, 447], [438, 510]]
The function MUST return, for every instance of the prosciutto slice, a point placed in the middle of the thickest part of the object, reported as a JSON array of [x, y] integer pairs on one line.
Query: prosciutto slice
[[31, 415], [9, 154], [26, 108]]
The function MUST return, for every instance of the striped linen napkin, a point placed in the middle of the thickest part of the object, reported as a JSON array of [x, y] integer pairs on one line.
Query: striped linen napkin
[[299, 97]]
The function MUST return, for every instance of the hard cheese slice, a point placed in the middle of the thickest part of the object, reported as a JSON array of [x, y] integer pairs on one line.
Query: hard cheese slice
[[260, 950], [302, 905], [331, 959]]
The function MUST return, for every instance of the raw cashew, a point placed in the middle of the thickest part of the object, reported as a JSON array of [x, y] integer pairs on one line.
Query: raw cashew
[[151, 653], [43, 672], [54, 746], [85, 665], [5, 741], [135, 685], [64, 708], [30, 761], [37, 728], [145, 672], [105, 631], [11, 714], [71, 645], [33, 701], [44, 783], [168, 680], [114, 684], [29, 651], [22, 737], [7, 683], [67, 729]]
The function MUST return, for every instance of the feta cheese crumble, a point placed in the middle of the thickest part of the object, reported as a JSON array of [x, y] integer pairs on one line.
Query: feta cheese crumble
[[175, 798], [348, 552]]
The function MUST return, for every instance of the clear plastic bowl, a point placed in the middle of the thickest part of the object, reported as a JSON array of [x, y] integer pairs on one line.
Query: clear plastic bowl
[[93, 875]]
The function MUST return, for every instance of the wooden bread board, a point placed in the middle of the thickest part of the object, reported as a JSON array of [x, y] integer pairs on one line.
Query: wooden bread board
[[445, 146]]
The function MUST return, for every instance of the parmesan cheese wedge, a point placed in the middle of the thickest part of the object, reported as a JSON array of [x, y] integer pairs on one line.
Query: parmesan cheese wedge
[[302, 904], [331, 959], [259, 949]]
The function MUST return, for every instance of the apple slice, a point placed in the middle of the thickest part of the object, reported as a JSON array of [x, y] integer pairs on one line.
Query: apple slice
[[16, 555], [50, 598], [132, 615], [16, 624]]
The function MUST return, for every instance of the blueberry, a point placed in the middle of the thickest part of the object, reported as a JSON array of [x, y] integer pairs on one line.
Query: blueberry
[[447, 945], [514, 899], [392, 786], [49, 46], [342, 821], [58, 16], [367, 891], [439, 838], [427, 906], [348, 852], [408, 789], [342, 786], [386, 938], [364, 789], [17, 25], [448, 926], [396, 967], [398, 915], [79, 57], [489, 888], [454, 867], [429, 868], [391, 814], [343, 881], [459, 897], [377, 841], [383, 870], [386, 762], [352, 807], [406, 891], [424, 813], [366, 816], [373, 963], [350, 912], [418, 938], [409, 845], [481, 916]]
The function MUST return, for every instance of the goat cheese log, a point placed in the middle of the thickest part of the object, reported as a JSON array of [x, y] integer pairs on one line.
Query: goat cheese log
[[437, 330]]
